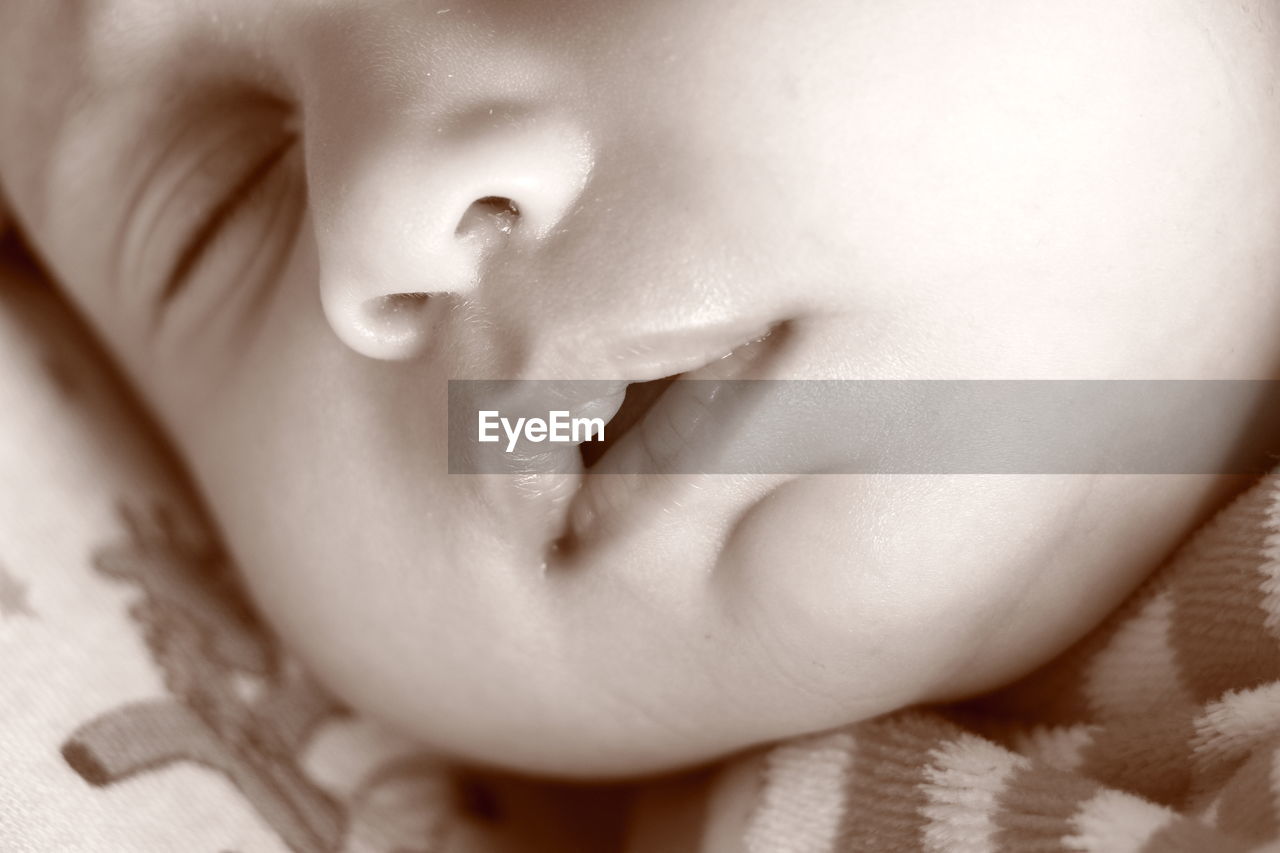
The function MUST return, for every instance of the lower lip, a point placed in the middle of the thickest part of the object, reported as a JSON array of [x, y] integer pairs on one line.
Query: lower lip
[[635, 477]]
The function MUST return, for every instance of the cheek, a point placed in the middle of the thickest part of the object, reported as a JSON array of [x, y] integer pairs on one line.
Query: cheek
[[1090, 183], [327, 474], [296, 456], [880, 592], [347, 556], [876, 602]]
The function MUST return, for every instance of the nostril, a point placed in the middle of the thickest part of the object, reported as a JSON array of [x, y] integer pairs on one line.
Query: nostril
[[402, 303], [395, 316], [491, 214]]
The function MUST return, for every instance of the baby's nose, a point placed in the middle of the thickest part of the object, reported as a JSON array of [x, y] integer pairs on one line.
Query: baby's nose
[[411, 212]]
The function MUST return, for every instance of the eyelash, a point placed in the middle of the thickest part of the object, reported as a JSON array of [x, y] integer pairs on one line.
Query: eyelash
[[244, 195]]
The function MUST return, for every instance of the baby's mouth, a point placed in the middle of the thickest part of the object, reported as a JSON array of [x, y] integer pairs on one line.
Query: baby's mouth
[[640, 398], [663, 426], [571, 496]]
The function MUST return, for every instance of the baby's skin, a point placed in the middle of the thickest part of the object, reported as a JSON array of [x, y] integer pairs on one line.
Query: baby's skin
[[292, 222]]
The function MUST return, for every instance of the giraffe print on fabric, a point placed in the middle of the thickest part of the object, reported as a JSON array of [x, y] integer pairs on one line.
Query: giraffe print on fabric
[[235, 706]]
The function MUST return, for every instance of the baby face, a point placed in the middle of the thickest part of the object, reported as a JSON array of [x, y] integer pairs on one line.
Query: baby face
[[293, 222]]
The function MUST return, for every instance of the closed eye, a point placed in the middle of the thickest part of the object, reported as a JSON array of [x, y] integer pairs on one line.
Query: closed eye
[[202, 237]]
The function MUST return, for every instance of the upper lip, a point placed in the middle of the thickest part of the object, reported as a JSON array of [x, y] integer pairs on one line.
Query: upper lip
[[643, 358], [614, 364], [656, 356]]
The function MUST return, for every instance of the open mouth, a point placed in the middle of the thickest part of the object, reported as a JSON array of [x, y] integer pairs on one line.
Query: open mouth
[[640, 398], [643, 397], [663, 426]]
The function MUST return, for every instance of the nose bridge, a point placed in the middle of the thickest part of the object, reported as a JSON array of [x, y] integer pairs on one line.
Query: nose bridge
[[420, 175]]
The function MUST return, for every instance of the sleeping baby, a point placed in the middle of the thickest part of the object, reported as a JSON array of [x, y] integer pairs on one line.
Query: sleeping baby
[[293, 223]]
